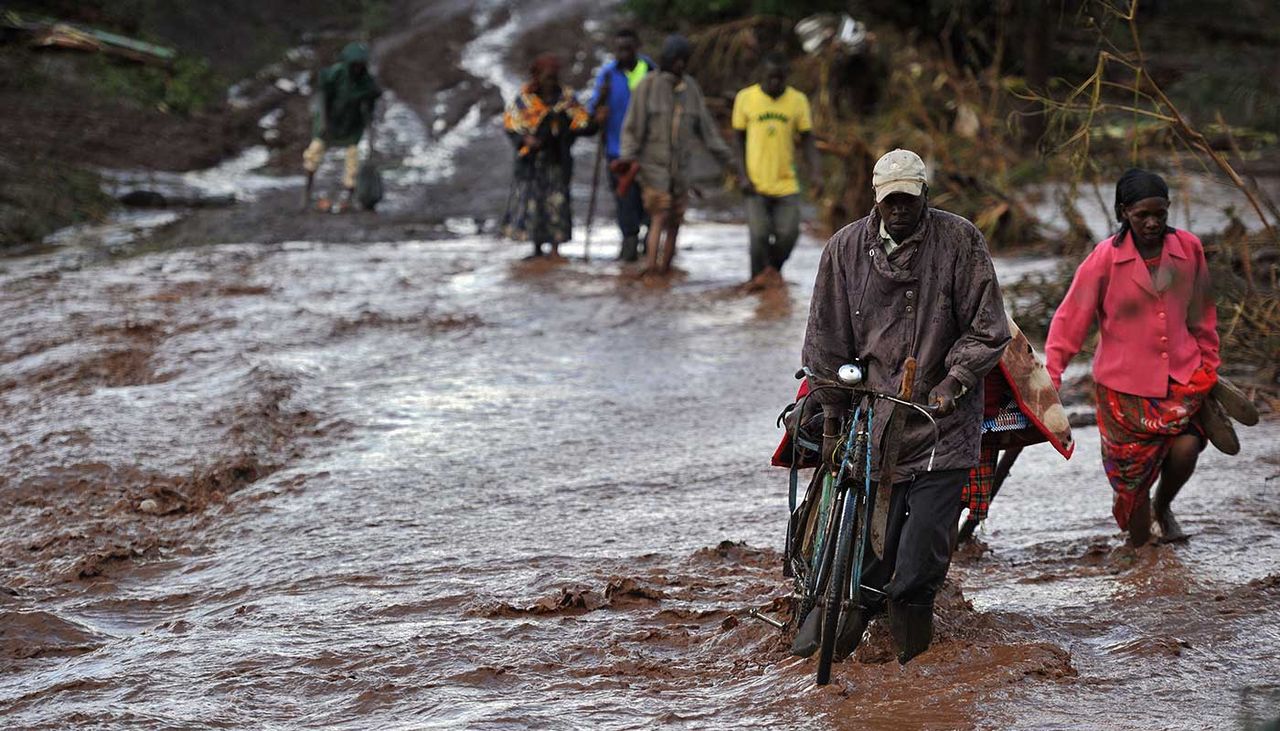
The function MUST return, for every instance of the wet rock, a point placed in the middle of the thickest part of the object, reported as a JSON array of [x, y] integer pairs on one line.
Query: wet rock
[[185, 199], [1269, 583], [733, 551], [144, 199]]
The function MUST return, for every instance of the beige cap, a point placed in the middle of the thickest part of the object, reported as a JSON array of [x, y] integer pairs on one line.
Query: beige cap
[[899, 171]]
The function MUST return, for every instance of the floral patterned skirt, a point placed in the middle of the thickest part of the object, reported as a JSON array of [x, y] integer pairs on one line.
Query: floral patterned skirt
[[539, 209], [1137, 431]]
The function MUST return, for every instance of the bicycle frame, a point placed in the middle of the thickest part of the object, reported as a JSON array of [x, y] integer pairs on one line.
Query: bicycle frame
[[862, 506], [836, 552]]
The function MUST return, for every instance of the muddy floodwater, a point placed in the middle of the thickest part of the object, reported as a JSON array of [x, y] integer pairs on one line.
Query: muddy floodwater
[[427, 485]]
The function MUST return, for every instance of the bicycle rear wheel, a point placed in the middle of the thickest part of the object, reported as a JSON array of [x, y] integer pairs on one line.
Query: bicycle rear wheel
[[837, 584]]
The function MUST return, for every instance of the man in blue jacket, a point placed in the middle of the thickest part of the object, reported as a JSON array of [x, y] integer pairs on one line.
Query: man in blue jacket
[[609, 105]]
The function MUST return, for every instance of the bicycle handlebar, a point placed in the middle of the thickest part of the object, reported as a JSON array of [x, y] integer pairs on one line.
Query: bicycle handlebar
[[927, 411], [806, 372]]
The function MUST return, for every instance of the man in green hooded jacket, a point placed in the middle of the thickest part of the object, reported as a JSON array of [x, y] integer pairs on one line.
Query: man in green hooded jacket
[[341, 110]]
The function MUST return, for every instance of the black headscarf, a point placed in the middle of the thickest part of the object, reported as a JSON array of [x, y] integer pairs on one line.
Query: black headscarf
[[1135, 185], [674, 48]]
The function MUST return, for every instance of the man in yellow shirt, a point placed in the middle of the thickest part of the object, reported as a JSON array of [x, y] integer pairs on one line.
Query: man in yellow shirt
[[770, 117]]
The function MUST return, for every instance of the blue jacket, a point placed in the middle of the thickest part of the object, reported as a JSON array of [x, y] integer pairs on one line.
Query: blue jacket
[[619, 99]]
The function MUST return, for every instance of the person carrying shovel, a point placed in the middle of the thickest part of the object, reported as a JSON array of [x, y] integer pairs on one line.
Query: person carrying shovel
[[342, 109]]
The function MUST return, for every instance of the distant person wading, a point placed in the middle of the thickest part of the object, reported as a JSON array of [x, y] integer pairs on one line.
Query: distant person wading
[[667, 113], [542, 122], [769, 117], [342, 110], [609, 104]]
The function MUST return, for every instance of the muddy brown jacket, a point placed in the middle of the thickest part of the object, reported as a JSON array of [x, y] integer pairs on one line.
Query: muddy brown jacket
[[936, 298], [664, 118]]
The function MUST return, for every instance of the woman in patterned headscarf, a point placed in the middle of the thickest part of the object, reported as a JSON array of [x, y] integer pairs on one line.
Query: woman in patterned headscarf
[[542, 123], [1157, 356]]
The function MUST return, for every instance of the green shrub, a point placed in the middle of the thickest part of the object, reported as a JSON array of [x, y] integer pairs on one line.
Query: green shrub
[[187, 86]]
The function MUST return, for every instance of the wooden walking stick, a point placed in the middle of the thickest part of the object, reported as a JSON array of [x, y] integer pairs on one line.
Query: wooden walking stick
[[595, 189], [603, 98]]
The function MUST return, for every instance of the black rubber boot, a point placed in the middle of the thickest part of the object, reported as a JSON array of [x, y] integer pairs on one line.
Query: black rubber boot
[[853, 625], [630, 248], [912, 628], [807, 638]]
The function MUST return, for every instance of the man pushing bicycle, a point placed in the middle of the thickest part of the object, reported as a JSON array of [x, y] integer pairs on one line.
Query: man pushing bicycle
[[910, 293]]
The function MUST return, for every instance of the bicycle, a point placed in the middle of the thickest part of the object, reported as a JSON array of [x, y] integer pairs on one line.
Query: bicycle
[[828, 532]]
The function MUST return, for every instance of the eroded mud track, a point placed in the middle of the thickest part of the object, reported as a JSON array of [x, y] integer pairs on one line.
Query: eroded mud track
[[420, 484]]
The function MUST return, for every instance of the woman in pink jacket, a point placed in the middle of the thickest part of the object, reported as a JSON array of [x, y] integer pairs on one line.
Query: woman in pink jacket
[[1157, 355]]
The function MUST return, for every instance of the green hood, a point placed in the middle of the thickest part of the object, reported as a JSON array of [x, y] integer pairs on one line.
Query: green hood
[[355, 53], [348, 99]]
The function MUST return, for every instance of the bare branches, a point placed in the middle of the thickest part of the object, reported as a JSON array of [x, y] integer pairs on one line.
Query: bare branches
[[1121, 85]]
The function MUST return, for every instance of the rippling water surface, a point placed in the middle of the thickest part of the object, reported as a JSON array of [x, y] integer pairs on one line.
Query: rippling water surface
[[422, 484]]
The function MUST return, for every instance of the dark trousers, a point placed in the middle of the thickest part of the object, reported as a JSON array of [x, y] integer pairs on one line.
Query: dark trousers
[[923, 516], [774, 226], [631, 216]]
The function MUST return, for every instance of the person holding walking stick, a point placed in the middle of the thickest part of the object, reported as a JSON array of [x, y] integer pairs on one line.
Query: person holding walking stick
[[608, 104]]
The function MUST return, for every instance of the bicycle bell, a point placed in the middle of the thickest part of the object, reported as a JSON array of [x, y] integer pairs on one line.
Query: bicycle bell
[[851, 374]]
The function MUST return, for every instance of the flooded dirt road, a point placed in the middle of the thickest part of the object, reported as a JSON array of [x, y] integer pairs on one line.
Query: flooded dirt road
[[426, 485], [411, 483]]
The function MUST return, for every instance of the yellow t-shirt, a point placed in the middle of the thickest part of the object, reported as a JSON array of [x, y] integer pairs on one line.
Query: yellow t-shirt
[[772, 126]]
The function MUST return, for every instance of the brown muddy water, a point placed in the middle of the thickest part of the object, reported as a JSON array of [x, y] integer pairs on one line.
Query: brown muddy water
[[425, 485]]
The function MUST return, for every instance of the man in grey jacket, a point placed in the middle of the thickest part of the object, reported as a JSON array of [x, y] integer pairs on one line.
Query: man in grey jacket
[[667, 113], [908, 281]]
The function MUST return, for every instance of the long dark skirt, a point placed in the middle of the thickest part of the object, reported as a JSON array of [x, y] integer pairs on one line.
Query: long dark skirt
[[539, 209]]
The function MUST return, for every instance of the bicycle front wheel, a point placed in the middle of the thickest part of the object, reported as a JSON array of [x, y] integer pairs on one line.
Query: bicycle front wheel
[[837, 584]]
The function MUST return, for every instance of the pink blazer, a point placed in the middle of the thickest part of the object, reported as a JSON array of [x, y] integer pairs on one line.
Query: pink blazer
[[1150, 331]]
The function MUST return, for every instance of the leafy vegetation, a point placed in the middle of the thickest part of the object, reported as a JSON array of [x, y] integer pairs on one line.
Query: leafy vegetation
[[188, 86]]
